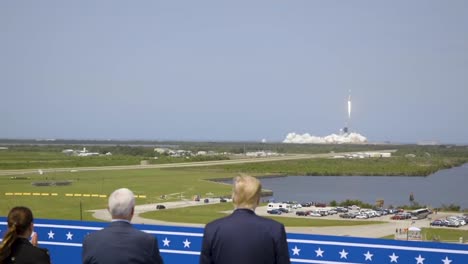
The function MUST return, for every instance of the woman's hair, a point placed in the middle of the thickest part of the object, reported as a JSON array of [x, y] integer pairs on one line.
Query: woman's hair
[[19, 222], [246, 192]]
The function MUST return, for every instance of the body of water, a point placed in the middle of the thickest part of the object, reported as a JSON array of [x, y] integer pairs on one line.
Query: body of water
[[443, 187]]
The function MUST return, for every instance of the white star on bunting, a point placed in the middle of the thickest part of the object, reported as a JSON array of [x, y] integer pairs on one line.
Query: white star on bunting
[[419, 259], [69, 236], [368, 256], [393, 258], [319, 252], [186, 243], [51, 234], [166, 242], [447, 260], [296, 250], [343, 254]]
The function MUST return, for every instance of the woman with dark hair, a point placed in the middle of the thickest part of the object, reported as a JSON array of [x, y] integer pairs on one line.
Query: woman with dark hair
[[15, 247]]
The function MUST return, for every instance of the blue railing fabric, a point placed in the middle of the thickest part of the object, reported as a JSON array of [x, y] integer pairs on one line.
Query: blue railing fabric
[[178, 245]]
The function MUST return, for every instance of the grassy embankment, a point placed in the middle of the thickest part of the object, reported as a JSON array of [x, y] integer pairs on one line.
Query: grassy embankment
[[440, 234], [408, 160], [444, 234], [323, 167]]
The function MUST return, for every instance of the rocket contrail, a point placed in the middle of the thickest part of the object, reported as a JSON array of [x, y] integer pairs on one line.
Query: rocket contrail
[[349, 105]]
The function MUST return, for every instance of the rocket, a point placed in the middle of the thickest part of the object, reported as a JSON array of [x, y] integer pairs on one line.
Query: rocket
[[349, 105]]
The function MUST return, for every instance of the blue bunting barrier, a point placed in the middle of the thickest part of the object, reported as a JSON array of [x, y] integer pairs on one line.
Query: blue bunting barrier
[[179, 245]]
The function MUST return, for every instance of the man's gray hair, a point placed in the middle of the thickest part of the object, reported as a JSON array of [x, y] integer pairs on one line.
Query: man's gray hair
[[121, 203]]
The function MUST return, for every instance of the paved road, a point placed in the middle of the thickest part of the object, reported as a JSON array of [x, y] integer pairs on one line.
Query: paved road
[[103, 214], [184, 164]]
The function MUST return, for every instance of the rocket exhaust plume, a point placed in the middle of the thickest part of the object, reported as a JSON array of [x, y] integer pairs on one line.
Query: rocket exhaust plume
[[344, 137], [349, 105]]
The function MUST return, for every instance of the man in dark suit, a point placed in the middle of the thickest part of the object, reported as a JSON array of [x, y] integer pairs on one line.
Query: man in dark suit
[[120, 242], [243, 237]]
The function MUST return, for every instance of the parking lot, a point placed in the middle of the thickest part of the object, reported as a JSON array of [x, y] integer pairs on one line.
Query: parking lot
[[373, 230]]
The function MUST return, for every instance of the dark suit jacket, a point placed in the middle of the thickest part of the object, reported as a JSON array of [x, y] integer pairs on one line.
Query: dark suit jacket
[[244, 238], [120, 243], [23, 252]]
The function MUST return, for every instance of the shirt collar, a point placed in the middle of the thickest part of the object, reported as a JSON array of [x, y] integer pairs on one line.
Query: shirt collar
[[120, 220]]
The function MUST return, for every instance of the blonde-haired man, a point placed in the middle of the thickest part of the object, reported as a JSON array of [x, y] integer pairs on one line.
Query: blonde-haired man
[[243, 237]]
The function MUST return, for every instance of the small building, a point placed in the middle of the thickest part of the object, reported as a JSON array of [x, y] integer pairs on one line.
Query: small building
[[386, 154]]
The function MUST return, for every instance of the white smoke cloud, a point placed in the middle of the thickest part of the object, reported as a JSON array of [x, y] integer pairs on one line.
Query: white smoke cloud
[[306, 138]]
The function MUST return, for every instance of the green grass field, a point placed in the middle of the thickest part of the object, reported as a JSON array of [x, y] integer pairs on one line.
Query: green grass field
[[444, 234], [153, 183], [440, 234], [182, 183], [363, 167]]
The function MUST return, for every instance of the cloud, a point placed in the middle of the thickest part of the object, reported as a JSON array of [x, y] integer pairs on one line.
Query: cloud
[[351, 138]]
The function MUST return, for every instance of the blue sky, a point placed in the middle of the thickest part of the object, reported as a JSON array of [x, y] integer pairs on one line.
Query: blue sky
[[237, 70]]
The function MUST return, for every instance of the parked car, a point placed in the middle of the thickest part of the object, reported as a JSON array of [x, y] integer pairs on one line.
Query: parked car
[[296, 206], [401, 216], [275, 211], [437, 222], [453, 224], [362, 216], [354, 207], [459, 219], [206, 200], [160, 207], [332, 211], [341, 210], [222, 200], [346, 215], [315, 214], [301, 213]]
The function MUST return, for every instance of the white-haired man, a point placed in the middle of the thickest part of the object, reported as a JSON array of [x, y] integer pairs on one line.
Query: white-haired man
[[120, 242], [243, 237]]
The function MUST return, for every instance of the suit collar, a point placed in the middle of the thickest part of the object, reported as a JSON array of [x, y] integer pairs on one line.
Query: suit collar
[[244, 211], [120, 223]]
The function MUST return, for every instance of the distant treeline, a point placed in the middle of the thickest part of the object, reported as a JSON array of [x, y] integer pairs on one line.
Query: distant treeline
[[408, 160], [145, 148]]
